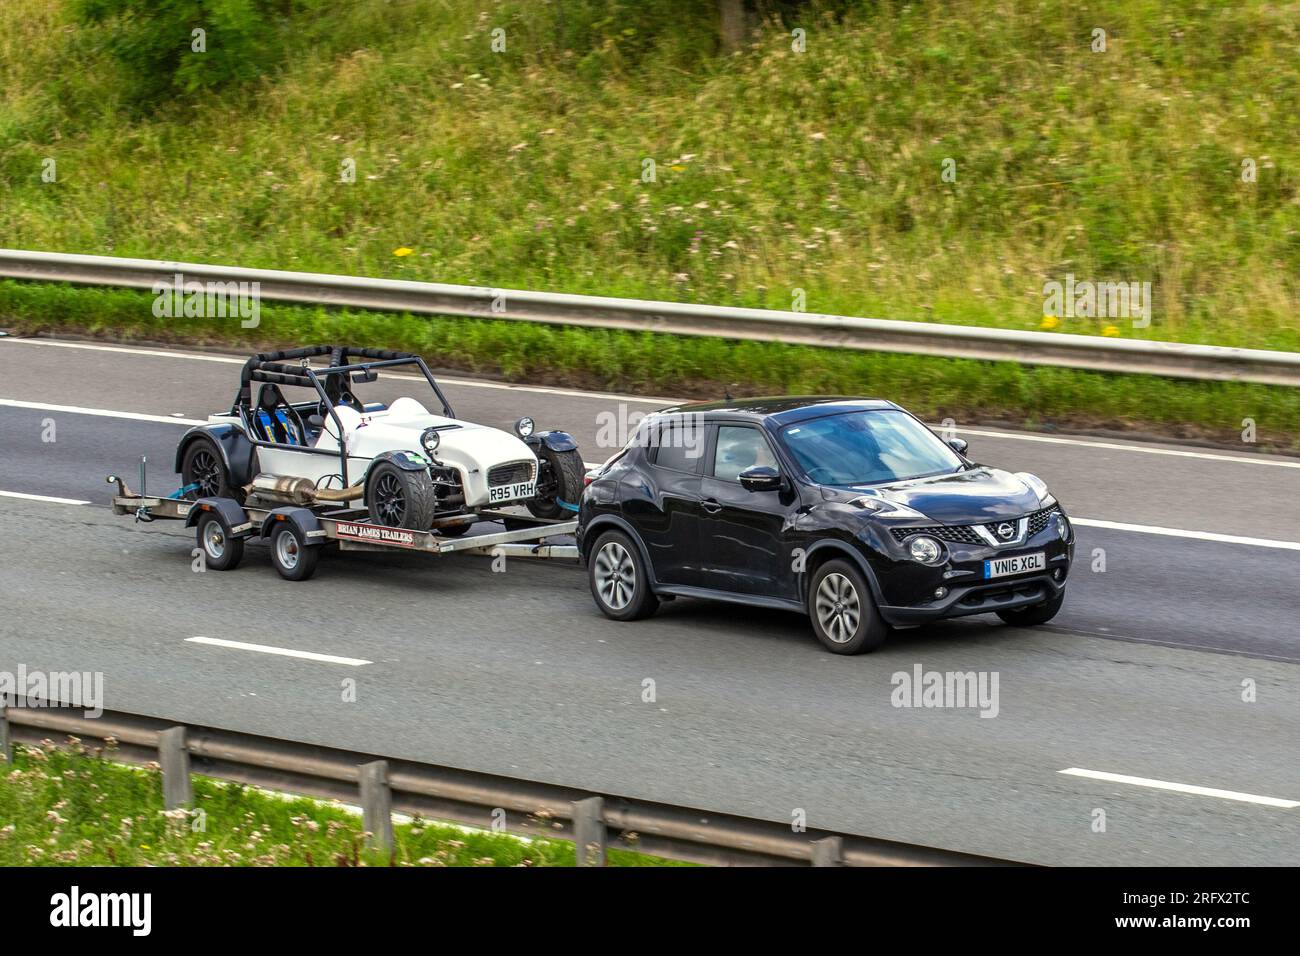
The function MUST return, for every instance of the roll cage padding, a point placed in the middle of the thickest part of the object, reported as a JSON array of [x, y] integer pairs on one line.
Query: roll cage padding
[[267, 367]]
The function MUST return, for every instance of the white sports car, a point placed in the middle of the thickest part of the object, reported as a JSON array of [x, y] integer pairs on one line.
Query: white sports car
[[410, 467]]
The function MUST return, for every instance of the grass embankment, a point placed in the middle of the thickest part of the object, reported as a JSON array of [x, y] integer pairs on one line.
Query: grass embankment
[[775, 171], [74, 807]]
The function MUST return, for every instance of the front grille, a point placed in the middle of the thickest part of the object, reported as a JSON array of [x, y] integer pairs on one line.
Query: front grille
[[966, 534], [512, 472], [1040, 519], [961, 534]]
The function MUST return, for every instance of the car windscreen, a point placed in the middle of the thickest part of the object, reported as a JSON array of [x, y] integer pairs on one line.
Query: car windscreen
[[870, 447]]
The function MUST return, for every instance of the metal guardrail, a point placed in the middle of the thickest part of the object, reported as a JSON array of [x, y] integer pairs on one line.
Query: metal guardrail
[[384, 785], [1171, 359]]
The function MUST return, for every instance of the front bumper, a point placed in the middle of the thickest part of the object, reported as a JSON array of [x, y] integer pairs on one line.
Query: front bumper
[[908, 587], [984, 597]]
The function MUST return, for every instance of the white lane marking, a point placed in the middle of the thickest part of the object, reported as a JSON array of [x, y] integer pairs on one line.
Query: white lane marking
[[467, 383], [1181, 788], [50, 498], [1144, 449], [1179, 533], [281, 651], [101, 412]]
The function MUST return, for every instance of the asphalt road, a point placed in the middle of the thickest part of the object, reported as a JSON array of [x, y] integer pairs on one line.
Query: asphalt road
[[1141, 674]]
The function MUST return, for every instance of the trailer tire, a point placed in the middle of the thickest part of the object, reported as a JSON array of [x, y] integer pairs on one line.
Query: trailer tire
[[293, 557], [221, 551], [397, 498], [563, 483]]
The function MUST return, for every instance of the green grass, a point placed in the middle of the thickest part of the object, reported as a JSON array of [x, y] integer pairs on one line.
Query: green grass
[[776, 170], [72, 806], [965, 390]]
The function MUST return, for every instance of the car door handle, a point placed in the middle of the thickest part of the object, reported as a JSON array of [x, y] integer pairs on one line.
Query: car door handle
[[711, 505]]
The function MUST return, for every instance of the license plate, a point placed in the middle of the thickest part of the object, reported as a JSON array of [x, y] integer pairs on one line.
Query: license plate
[[521, 489], [1021, 564]]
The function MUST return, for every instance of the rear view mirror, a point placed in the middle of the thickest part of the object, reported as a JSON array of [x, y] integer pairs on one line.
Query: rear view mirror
[[365, 375], [959, 445], [760, 478]]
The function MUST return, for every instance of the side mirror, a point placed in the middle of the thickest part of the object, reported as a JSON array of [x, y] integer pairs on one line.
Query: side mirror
[[760, 478], [959, 445]]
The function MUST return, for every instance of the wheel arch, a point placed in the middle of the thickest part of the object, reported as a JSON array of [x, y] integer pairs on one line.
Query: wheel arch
[[828, 549], [609, 522], [232, 445]]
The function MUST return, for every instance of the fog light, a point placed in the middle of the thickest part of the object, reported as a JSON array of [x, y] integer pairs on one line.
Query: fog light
[[940, 593]]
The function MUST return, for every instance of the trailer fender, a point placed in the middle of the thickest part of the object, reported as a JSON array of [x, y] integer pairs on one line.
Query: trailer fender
[[232, 516], [303, 519], [232, 444], [554, 440]]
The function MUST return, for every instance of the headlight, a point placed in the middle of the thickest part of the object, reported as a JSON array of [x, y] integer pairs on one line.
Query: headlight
[[1062, 526], [524, 427], [1036, 485], [925, 549], [430, 438]]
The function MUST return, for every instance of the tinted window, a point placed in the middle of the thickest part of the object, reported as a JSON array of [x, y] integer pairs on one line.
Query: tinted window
[[740, 448], [859, 448], [678, 446]]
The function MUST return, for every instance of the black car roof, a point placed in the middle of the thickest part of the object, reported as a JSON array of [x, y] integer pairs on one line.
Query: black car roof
[[782, 410]]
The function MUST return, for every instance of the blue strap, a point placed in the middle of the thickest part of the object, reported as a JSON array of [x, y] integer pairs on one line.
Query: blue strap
[[566, 505], [182, 492], [290, 432]]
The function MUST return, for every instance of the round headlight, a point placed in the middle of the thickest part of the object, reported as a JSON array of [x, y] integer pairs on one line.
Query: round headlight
[[430, 438], [1062, 525], [925, 549], [524, 427]]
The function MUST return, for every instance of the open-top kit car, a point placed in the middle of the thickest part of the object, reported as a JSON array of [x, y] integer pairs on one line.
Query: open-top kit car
[[408, 466], [849, 510]]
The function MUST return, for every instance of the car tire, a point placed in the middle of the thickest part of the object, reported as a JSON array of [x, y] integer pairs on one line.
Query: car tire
[[220, 551], [1034, 615], [842, 611], [203, 465], [294, 559], [620, 584], [398, 498], [566, 470]]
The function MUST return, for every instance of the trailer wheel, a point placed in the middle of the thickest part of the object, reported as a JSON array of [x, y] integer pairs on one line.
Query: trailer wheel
[[293, 557], [559, 480], [221, 552], [398, 498]]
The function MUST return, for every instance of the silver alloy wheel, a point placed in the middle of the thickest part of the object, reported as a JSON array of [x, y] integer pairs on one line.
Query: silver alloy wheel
[[615, 576], [286, 550], [214, 540], [838, 608]]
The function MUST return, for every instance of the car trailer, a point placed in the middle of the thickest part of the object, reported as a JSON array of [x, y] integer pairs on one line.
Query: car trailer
[[296, 532]]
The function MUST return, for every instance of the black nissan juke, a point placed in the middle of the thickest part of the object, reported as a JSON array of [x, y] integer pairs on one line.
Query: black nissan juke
[[849, 510]]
